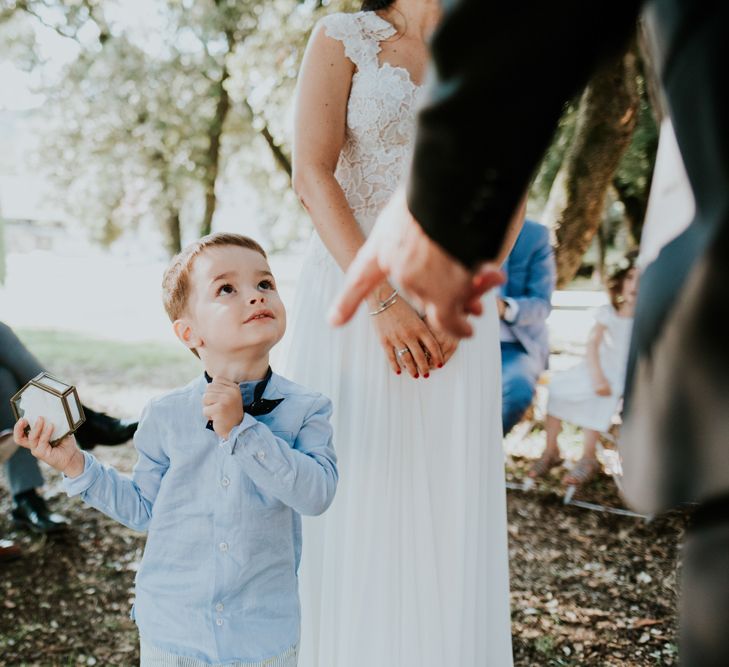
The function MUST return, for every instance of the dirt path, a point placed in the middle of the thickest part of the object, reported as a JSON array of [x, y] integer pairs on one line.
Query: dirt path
[[587, 588]]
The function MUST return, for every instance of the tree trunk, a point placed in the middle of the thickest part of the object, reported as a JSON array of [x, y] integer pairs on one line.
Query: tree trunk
[[173, 232], [212, 167], [606, 119], [602, 246]]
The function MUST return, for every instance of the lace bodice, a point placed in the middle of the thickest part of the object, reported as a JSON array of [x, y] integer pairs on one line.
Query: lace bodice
[[380, 116]]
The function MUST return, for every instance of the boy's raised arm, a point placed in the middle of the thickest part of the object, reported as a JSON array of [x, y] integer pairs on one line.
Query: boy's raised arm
[[304, 476]]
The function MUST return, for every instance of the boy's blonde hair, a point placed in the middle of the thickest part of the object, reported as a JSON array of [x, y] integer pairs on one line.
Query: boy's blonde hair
[[176, 281]]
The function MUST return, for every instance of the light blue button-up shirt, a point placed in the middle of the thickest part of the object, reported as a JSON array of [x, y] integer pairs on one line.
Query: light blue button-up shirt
[[218, 580]]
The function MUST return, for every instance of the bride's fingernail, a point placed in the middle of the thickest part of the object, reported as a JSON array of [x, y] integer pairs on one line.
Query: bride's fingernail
[[440, 365], [398, 372], [427, 375]]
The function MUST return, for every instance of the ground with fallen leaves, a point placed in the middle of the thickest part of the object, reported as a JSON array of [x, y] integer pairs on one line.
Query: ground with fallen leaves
[[588, 588]]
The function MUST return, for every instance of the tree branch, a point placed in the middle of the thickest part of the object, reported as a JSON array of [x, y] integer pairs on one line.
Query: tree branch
[[282, 160]]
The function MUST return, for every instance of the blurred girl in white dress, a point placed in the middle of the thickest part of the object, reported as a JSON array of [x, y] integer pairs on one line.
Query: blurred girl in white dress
[[588, 394]]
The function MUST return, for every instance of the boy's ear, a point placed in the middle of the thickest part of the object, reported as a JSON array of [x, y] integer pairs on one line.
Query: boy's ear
[[184, 331]]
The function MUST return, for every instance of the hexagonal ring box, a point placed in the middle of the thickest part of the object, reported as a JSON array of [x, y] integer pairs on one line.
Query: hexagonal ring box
[[48, 397]]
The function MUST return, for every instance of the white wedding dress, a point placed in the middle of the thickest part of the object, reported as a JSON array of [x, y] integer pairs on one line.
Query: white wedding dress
[[409, 567]]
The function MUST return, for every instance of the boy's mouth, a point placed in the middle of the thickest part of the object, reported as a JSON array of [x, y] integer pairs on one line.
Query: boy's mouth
[[260, 315]]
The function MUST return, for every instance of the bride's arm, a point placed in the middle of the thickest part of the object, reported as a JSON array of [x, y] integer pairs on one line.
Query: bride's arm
[[320, 121]]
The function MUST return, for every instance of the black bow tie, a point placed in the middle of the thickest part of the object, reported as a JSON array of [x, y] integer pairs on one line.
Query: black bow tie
[[259, 405]]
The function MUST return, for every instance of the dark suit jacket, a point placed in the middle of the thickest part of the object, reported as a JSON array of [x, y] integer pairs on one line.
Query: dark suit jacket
[[501, 75]]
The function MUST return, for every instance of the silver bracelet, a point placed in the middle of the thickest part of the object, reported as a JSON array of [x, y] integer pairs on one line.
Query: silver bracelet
[[384, 305]]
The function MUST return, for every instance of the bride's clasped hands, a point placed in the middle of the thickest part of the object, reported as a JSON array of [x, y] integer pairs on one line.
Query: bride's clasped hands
[[409, 341]]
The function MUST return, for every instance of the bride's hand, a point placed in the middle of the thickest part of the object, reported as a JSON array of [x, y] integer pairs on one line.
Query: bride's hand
[[448, 344], [407, 340]]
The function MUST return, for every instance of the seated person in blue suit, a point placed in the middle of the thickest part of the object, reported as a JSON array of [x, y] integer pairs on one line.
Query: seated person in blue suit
[[524, 305]]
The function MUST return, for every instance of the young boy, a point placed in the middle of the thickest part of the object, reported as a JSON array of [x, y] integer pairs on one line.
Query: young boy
[[226, 466]]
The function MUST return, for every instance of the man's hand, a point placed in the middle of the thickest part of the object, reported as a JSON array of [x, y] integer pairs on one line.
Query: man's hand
[[65, 457], [445, 289], [223, 404]]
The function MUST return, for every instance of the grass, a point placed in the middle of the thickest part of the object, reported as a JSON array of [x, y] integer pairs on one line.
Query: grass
[[135, 361]]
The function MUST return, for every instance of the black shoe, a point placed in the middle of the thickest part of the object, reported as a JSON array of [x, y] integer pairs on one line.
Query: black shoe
[[101, 429], [9, 551], [30, 511]]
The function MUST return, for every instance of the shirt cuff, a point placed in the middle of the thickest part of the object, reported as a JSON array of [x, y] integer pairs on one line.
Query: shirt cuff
[[229, 443], [511, 311], [73, 486], [256, 446]]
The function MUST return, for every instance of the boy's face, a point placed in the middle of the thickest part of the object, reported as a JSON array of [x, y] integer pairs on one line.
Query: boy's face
[[233, 304]]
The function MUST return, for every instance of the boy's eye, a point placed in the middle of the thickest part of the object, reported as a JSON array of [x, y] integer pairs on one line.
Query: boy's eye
[[266, 284], [226, 289]]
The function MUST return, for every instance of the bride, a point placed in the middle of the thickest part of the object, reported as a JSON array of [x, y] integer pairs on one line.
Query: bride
[[409, 566]]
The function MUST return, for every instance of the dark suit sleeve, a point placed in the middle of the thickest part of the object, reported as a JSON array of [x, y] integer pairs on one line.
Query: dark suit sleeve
[[501, 74]]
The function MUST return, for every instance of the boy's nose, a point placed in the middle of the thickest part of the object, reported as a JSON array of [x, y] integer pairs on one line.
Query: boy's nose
[[257, 299]]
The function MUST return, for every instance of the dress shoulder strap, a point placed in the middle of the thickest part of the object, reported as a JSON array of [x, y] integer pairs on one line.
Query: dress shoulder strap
[[361, 34]]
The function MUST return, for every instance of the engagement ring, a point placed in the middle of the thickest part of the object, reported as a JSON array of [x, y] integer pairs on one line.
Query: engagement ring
[[403, 351]]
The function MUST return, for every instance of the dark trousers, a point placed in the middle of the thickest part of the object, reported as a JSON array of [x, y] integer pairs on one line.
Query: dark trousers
[[519, 375], [17, 366], [705, 588]]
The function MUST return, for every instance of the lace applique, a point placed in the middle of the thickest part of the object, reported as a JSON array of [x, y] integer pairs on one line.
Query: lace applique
[[361, 34], [380, 116]]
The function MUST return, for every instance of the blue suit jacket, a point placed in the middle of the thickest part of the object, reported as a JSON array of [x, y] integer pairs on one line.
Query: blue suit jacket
[[530, 279]]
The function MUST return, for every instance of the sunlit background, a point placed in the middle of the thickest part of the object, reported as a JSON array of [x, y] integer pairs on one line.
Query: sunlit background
[[130, 127]]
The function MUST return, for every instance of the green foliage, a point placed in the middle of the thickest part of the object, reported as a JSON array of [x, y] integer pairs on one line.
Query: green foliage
[[136, 131], [136, 362], [139, 128], [263, 79], [635, 172], [553, 158], [127, 139]]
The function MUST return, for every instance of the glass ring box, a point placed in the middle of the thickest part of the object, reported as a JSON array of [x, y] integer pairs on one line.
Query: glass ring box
[[57, 402]]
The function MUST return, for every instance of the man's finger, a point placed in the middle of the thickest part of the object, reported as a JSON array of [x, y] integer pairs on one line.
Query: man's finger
[[362, 277], [450, 321], [486, 278]]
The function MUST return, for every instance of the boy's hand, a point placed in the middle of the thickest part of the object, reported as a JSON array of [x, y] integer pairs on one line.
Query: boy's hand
[[223, 404], [65, 457]]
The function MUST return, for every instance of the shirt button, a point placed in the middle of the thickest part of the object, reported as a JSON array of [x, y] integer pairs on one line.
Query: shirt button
[[224, 546], [219, 622], [225, 481], [260, 455], [219, 606]]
